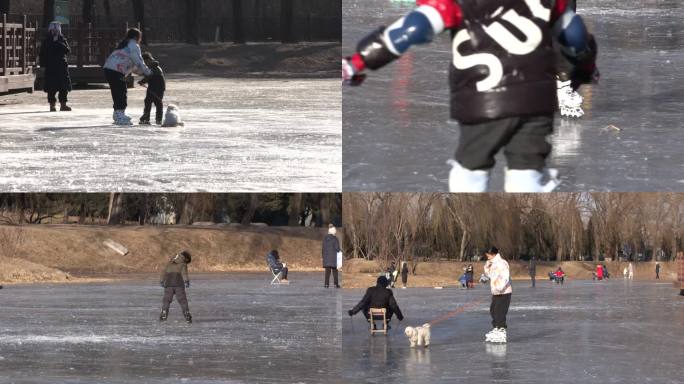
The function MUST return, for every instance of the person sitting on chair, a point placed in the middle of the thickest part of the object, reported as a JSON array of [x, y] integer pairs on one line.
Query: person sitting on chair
[[378, 297], [276, 266], [559, 276]]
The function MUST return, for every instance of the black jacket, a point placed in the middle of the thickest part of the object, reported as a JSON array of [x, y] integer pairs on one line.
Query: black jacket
[[527, 84], [378, 297], [156, 84], [330, 248], [53, 58]]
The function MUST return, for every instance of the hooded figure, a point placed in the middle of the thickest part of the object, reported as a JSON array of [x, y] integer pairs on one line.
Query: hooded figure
[[330, 248], [53, 58], [156, 86], [378, 297], [174, 279]]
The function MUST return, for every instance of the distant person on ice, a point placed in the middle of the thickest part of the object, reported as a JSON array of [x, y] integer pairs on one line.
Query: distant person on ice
[[53, 58], [126, 59], [156, 86], [559, 276], [273, 259], [330, 248], [657, 270], [500, 282], [532, 270], [174, 280], [404, 273], [502, 79], [378, 297]]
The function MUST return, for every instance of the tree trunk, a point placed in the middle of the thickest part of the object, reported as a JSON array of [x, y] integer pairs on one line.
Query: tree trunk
[[48, 12], [286, 11], [88, 11], [82, 213], [324, 208], [238, 32], [461, 254], [251, 210], [4, 6], [65, 218], [295, 209], [116, 211], [139, 16], [192, 12]]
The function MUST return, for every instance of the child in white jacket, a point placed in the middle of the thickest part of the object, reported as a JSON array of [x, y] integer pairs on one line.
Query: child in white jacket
[[126, 59], [499, 274]]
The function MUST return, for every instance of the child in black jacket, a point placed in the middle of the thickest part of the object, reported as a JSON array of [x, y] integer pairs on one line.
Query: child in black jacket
[[156, 85]]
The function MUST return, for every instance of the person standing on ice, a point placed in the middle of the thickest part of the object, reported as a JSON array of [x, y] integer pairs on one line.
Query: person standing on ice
[[330, 248], [630, 271], [125, 59], [496, 268], [404, 274], [502, 79], [532, 270], [657, 270], [174, 280], [53, 59]]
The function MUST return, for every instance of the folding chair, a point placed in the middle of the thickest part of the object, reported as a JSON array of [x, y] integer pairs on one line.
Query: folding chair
[[276, 277], [378, 314]]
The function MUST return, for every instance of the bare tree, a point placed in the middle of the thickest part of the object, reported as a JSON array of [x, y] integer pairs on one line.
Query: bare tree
[[116, 209], [48, 12], [139, 15], [4, 6], [251, 210], [295, 208], [193, 10]]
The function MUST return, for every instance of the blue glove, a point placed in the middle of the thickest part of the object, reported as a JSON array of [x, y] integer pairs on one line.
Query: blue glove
[[187, 284]]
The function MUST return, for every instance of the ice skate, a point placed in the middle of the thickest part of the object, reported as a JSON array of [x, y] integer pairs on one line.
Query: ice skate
[[465, 180], [163, 315], [188, 317], [498, 337], [530, 180], [569, 101], [491, 334], [120, 118]]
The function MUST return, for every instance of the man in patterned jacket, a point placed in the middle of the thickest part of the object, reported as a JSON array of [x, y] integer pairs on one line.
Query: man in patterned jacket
[[499, 275], [502, 79]]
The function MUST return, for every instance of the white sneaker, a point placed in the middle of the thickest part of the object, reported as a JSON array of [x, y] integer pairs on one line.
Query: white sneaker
[[120, 118], [530, 180], [465, 180], [499, 337], [569, 101]]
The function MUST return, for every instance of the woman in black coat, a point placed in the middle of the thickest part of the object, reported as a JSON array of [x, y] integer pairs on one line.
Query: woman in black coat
[[330, 248], [53, 57]]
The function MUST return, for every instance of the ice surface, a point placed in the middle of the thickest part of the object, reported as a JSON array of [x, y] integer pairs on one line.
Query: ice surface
[[614, 331], [397, 136], [239, 135], [244, 331]]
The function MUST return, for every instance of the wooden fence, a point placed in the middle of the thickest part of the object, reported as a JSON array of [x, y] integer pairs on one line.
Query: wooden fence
[[18, 55]]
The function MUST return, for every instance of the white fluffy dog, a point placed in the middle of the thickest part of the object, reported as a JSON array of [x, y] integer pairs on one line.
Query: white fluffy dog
[[172, 117], [418, 335]]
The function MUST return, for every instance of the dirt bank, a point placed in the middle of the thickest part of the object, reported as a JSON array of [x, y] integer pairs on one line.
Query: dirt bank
[[361, 273], [61, 252]]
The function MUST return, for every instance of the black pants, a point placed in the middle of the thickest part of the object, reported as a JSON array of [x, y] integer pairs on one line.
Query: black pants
[[524, 140], [533, 277], [62, 97], [499, 309], [169, 292], [117, 85], [283, 273], [157, 100], [327, 276], [658, 275]]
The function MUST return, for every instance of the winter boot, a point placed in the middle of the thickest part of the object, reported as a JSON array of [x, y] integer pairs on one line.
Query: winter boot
[[530, 180], [144, 120], [120, 118], [52, 107], [159, 122], [64, 107], [465, 180], [188, 317], [164, 315], [569, 101]]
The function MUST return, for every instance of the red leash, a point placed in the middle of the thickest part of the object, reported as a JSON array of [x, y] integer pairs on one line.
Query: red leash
[[459, 310]]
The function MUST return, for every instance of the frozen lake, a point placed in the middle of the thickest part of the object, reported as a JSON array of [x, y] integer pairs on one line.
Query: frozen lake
[[397, 134], [240, 135], [583, 332], [244, 331]]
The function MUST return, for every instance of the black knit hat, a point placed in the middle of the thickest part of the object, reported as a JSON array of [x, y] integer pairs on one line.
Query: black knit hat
[[382, 281], [492, 251], [187, 256]]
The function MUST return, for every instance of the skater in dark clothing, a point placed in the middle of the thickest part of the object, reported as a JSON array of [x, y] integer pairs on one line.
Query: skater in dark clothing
[[657, 270], [606, 274], [53, 58], [378, 297], [469, 276], [174, 280], [404, 273], [532, 270], [156, 86], [330, 248], [273, 260], [502, 79]]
